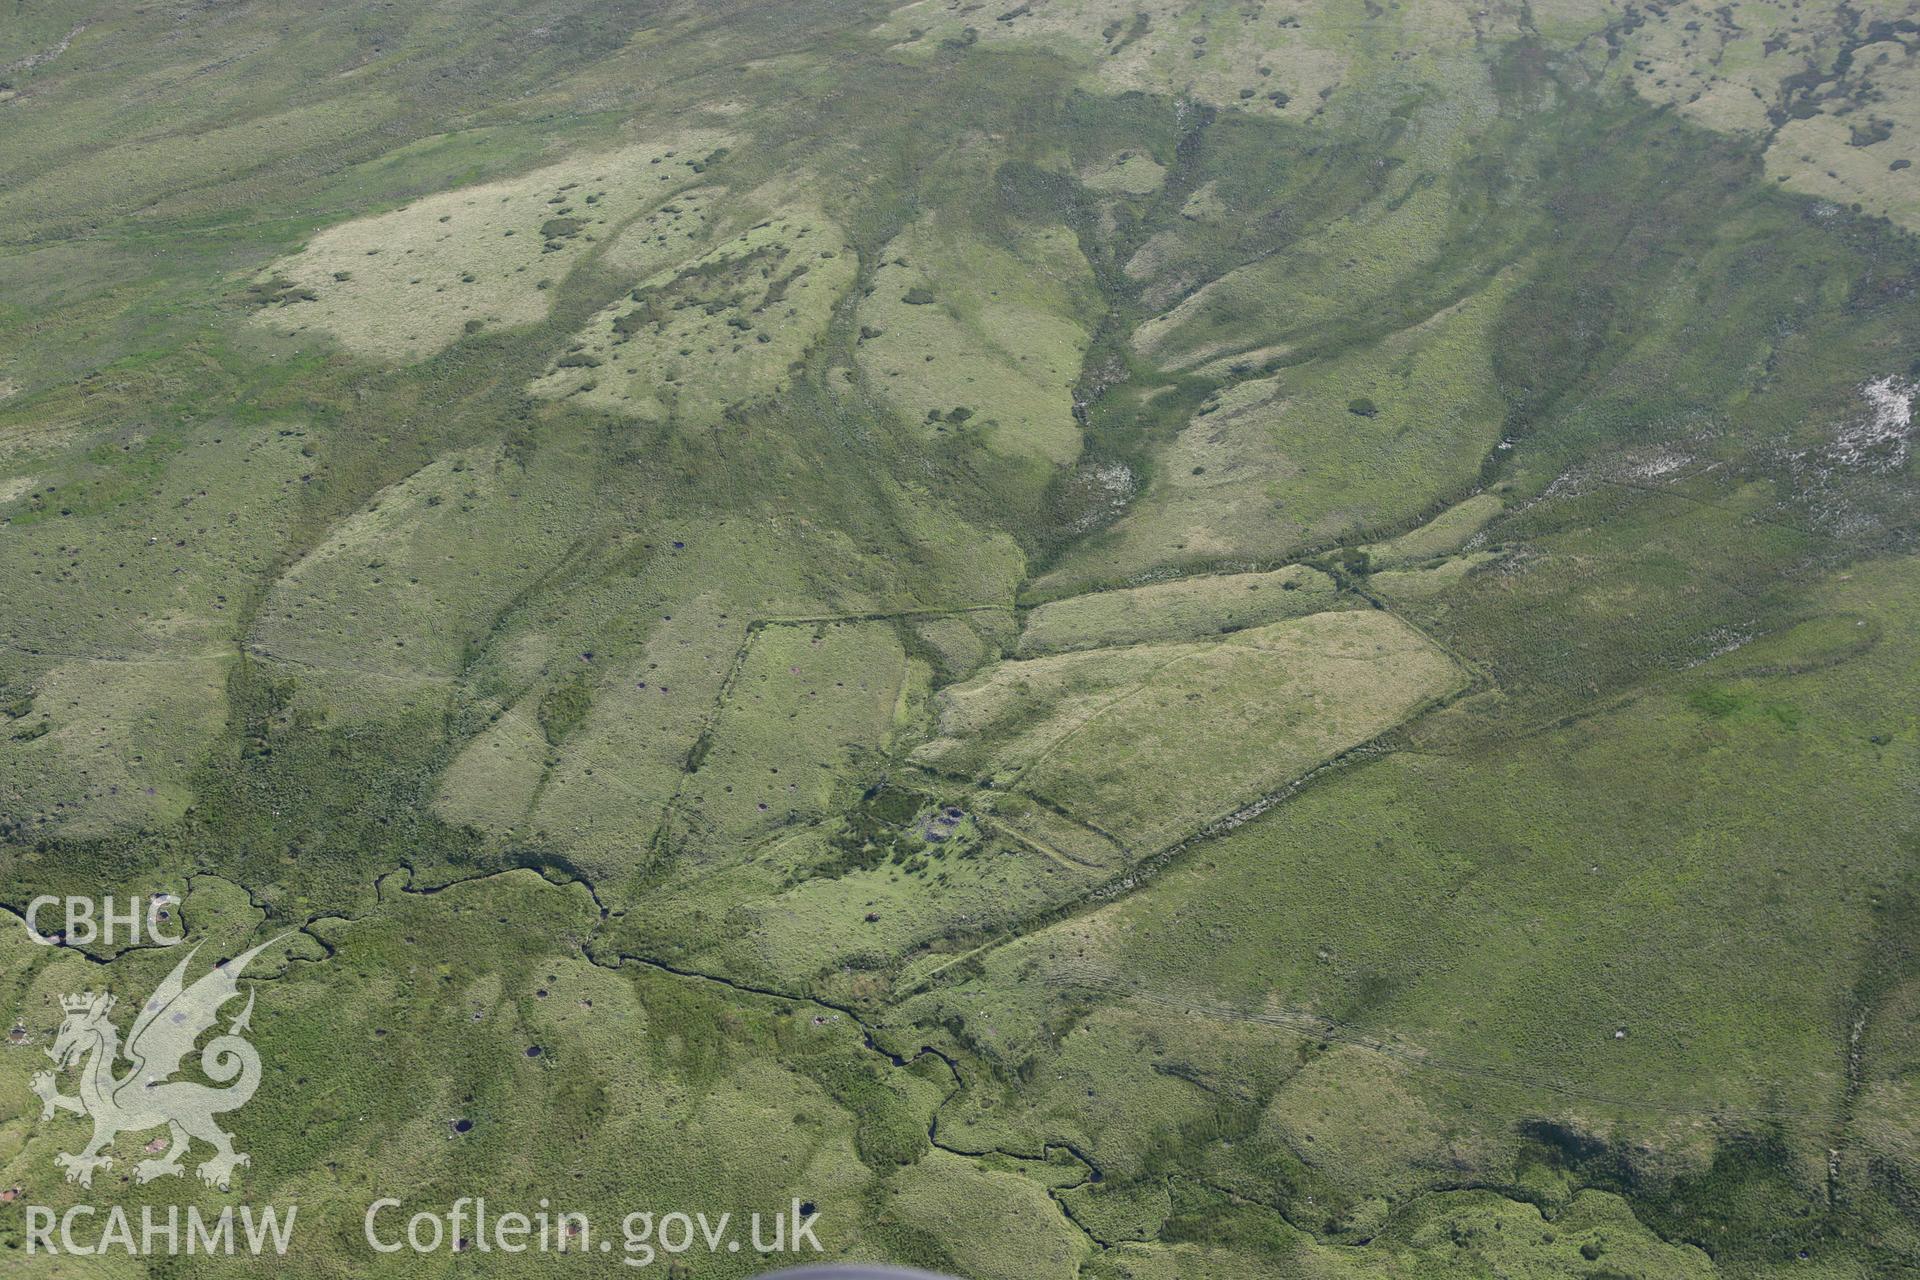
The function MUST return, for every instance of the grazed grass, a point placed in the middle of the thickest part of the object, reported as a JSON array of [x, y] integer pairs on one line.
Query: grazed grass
[[1595, 993], [1218, 288], [1187, 608], [402, 285], [804, 720], [1272, 465], [980, 341], [1441, 536], [1150, 742], [700, 337]]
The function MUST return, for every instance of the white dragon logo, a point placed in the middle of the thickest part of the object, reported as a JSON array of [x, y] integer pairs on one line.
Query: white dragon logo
[[146, 1096]]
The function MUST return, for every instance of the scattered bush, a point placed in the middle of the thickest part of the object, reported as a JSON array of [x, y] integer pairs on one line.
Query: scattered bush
[[278, 290]]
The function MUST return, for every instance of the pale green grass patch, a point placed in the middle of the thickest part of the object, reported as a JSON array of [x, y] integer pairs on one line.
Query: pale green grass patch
[[1131, 173], [959, 645], [1413, 584], [1367, 437], [869, 919], [967, 338], [1443, 535], [1186, 608], [113, 743], [668, 235], [400, 286], [999, 1225], [1212, 50], [697, 338], [1815, 155], [377, 618], [1149, 743], [803, 722], [1362, 259], [610, 782], [493, 782]]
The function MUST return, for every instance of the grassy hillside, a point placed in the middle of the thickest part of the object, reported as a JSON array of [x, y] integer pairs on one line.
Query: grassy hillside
[[1110, 640]]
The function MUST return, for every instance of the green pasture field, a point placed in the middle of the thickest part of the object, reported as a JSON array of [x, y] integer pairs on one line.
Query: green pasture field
[[1168, 639]]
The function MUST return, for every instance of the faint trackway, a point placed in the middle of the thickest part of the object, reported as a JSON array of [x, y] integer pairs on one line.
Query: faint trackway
[[1297, 1022], [151, 660], [1293, 1021], [47, 55], [754, 627], [1120, 884], [1134, 875]]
